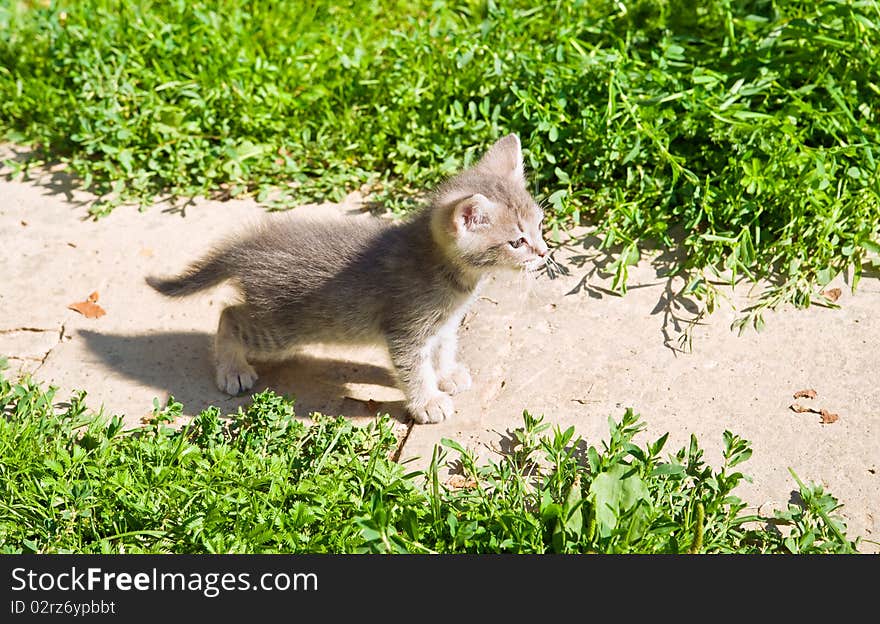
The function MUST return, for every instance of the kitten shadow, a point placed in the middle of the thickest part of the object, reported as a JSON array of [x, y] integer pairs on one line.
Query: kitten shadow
[[180, 363]]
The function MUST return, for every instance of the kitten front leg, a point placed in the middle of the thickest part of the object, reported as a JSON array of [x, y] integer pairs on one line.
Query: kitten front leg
[[453, 377], [415, 366]]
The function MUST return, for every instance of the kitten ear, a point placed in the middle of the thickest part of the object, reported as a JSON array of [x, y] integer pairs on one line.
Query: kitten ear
[[505, 159], [471, 213]]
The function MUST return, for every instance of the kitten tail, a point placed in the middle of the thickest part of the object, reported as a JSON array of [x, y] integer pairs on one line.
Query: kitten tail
[[202, 274]]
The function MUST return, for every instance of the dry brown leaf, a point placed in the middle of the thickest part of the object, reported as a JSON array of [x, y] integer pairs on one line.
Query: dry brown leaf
[[800, 409], [89, 308], [460, 482], [832, 294], [828, 417], [805, 394]]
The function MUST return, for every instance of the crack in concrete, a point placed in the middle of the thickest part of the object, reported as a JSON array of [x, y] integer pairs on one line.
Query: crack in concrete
[[396, 456], [28, 329], [49, 352]]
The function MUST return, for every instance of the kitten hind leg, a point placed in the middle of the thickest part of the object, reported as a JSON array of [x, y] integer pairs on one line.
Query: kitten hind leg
[[234, 374]]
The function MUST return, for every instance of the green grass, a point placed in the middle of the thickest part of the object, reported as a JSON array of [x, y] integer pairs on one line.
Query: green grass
[[261, 481], [741, 132]]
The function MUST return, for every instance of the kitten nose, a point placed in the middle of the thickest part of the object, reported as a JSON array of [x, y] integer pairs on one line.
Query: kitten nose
[[542, 249]]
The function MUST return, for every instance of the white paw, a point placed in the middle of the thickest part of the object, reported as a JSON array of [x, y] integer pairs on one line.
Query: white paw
[[235, 378], [457, 381], [436, 409]]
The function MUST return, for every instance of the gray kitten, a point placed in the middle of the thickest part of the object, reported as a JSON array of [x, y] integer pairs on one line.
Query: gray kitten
[[357, 280]]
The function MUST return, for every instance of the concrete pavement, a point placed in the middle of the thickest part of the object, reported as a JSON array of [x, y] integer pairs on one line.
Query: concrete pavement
[[566, 348]]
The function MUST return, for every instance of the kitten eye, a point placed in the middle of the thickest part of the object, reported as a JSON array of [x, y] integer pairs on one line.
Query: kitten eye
[[516, 243]]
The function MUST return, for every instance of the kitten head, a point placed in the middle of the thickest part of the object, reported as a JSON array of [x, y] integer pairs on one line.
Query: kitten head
[[485, 218]]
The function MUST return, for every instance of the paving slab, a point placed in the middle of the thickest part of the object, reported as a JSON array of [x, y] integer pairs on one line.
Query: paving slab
[[566, 348]]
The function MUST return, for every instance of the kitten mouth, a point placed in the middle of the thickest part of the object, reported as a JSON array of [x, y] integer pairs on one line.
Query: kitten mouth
[[534, 264]]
